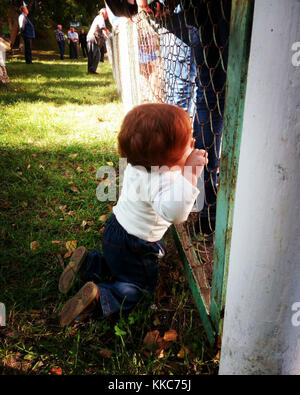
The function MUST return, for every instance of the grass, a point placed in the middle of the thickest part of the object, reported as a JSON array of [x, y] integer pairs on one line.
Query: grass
[[58, 125]]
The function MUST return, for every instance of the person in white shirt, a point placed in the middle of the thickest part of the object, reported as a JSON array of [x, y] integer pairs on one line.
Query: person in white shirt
[[73, 42], [159, 188], [27, 32], [96, 41]]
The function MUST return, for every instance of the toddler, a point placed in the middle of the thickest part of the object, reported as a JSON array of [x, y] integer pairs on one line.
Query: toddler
[[159, 189]]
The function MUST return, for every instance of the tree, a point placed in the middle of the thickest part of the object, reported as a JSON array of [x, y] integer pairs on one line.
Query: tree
[[64, 12]]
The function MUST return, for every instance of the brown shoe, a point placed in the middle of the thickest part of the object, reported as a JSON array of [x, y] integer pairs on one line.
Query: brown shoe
[[81, 305], [69, 274]]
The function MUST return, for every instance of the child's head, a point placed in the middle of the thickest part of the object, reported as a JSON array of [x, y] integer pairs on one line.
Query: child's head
[[155, 134]]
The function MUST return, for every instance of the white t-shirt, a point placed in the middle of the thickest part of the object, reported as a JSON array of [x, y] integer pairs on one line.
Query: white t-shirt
[[73, 35], [22, 21], [151, 201], [98, 23]]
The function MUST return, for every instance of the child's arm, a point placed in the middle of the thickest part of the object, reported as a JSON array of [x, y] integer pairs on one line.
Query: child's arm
[[194, 165], [174, 197]]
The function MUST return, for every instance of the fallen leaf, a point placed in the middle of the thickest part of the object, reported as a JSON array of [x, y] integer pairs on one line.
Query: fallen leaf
[[183, 351], [84, 223], [62, 208], [79, 169], [74, 189], [163, 343], [56, 242], [28, 166], [171, 335], [72, 213], [68, 254], [34, 245], [102, 218], [110, 163], [72, 156], [4, 205], [100, 120], [105, 353], [71, 245], [156, 321], [161, 353], [56, 370], [150, 340]]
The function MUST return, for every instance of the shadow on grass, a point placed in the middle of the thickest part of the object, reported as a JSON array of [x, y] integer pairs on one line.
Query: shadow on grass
[[45, 198]]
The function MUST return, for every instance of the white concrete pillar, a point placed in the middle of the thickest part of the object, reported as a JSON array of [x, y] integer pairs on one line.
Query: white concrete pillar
[[261, 333]]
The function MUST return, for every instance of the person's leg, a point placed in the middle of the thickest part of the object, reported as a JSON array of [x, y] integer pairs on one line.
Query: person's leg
[[76, 50], [71, 50], [61, 49], [73, 53], [84, 50], [93, 57], [90, 47], [208, 121], [96, 58], [27, 50], [102, 52], [178, 63], [62, 53]]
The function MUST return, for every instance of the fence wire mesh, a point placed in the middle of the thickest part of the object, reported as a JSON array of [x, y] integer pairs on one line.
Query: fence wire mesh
[[180, 58]]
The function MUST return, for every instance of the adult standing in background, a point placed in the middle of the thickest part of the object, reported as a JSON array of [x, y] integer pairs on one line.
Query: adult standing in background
[[27, 32], [73, 37], [60, 38], [95, 41], [82, 42]]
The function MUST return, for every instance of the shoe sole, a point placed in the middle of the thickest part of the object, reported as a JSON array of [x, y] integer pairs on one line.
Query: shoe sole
[[78, 303], [68, 276]]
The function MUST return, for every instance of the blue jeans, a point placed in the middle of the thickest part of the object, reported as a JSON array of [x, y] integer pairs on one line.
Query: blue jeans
[[195, 81], [129, 264], [61, 46]]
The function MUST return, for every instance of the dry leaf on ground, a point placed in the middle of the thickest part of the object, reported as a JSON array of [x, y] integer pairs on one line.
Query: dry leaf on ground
[[71, 245], [171, 335], [105, 353], [183, 351], [74, 189], [34, 245], [56, 370], [150, 340]]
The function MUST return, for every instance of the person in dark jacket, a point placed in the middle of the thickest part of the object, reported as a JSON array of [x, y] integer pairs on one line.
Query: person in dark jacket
[[82, 42], [27, 32]]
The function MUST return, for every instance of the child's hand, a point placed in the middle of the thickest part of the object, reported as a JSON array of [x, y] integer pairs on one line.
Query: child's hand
[[194, 165]]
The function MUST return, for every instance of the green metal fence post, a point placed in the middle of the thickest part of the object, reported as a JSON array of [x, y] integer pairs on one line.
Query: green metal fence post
[[239, 49]]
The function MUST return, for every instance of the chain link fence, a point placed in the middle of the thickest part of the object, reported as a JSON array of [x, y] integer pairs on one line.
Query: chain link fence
[[181, 58]]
